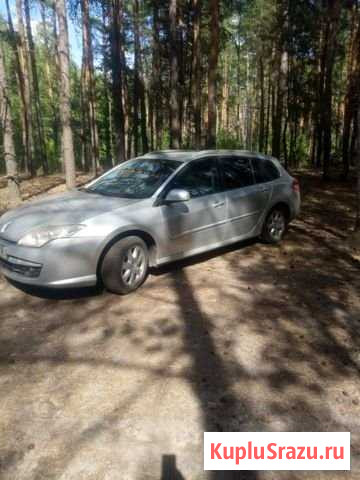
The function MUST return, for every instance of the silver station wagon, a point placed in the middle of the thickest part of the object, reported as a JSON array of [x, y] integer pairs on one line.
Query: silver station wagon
[[148, 211]]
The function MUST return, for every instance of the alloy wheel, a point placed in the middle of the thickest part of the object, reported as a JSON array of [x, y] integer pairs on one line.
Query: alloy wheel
[[133, 265]]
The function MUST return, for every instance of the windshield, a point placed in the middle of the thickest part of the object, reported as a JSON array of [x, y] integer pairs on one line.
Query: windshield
[[138, 178]]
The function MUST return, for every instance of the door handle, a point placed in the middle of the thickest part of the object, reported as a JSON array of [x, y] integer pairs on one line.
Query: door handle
[[263, 189], [218, 204]]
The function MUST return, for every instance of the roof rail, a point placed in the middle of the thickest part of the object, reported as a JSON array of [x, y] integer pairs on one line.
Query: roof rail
[[171, 150]]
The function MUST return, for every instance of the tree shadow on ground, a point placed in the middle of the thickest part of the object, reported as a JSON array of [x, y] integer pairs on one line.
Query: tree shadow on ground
[[169, 470], [209, 377]]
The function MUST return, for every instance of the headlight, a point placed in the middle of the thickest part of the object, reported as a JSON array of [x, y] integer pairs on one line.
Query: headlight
[[43, 235]]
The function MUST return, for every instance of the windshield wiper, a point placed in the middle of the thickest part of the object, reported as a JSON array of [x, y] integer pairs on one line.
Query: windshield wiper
[[87, 190]]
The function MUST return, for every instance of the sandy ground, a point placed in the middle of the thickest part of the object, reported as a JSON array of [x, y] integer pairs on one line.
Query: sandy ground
[[39, 186], [252, 338]]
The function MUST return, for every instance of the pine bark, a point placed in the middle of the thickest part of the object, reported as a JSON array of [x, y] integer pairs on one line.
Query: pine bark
[[281, 60], [139, 118], [35, 92], [353, 75], [262, 104], [268, 115], [117, 81], [357, 222], [328, 44], [107, 100], [156, 82], [91, 130], [196, 71], [212, 73], [333, 24], [136, 81], [16, 47], [24, 67], [174, 78], [65, 111], [48, 18], [56, 120], [8, 139]]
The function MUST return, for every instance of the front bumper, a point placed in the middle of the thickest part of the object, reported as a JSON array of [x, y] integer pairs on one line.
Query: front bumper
[[68, 262]]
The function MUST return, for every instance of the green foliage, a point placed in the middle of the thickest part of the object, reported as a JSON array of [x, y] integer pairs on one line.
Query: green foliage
[[228, 140], [253, 36]]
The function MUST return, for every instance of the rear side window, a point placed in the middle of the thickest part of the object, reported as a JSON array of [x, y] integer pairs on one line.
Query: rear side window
[[264, 170], [236, 172]]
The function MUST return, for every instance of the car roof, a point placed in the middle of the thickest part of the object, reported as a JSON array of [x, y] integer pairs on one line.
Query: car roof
[[188, 155]]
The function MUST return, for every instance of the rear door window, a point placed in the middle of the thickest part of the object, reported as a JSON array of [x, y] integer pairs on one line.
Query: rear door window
[[236, 172], [264, 170]]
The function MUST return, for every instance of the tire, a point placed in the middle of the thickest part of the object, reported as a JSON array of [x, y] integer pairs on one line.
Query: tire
[[125, 265], [275, 226]]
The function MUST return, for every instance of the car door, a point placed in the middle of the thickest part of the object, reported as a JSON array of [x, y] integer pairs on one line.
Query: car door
[[246, 201], [266, 173], [199, 223]]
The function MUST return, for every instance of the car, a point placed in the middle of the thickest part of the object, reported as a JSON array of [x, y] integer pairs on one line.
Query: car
[[145, 212]]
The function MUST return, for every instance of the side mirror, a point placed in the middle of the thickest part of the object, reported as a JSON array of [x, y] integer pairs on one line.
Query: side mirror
[[177, 195]]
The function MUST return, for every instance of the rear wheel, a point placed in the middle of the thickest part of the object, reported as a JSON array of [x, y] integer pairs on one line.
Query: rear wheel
[[125, 265], [274, 226]]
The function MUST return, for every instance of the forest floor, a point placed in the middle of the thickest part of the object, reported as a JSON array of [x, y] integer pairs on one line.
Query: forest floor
[[248, 338], [32, 188]]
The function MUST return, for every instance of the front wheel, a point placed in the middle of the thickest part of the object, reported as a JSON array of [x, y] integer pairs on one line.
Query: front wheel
[[125, 265], [274, 226]]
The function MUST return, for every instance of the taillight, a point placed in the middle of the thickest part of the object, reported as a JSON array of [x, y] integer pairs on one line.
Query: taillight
[[296, 186]]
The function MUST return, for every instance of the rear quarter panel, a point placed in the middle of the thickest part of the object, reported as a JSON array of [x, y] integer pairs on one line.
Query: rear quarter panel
[[282, 192]]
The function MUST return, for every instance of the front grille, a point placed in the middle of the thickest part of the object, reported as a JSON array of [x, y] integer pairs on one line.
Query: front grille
[[30, 271]]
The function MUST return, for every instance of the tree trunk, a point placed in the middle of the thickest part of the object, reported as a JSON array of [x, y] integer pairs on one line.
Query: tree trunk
[[346, 134], [174, 78], [285, 150], [126, 102], [181, 66], [262, 105], [35, 91], [357, 222], [7, 130], [65, 112], [144, 137], [354, 134], [278, 111], [107, 101], [353, 75], [156, 82], [56, 120], [117, 81], [91, 129], [248, 113], [50, 40], [268, 114], [21, 86], [136, 82], [26, 95], [212, 72], [84, 127], [281, 68], [139, 118], [223, 111], [332, 11]]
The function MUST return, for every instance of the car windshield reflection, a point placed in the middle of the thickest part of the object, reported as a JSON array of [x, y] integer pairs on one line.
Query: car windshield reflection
[[138, 179]]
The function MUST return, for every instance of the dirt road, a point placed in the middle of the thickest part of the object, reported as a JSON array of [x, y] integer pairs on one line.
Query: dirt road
[[95, 386]]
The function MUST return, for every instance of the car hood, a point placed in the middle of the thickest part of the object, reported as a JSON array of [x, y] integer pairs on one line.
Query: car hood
[[69, 208]]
